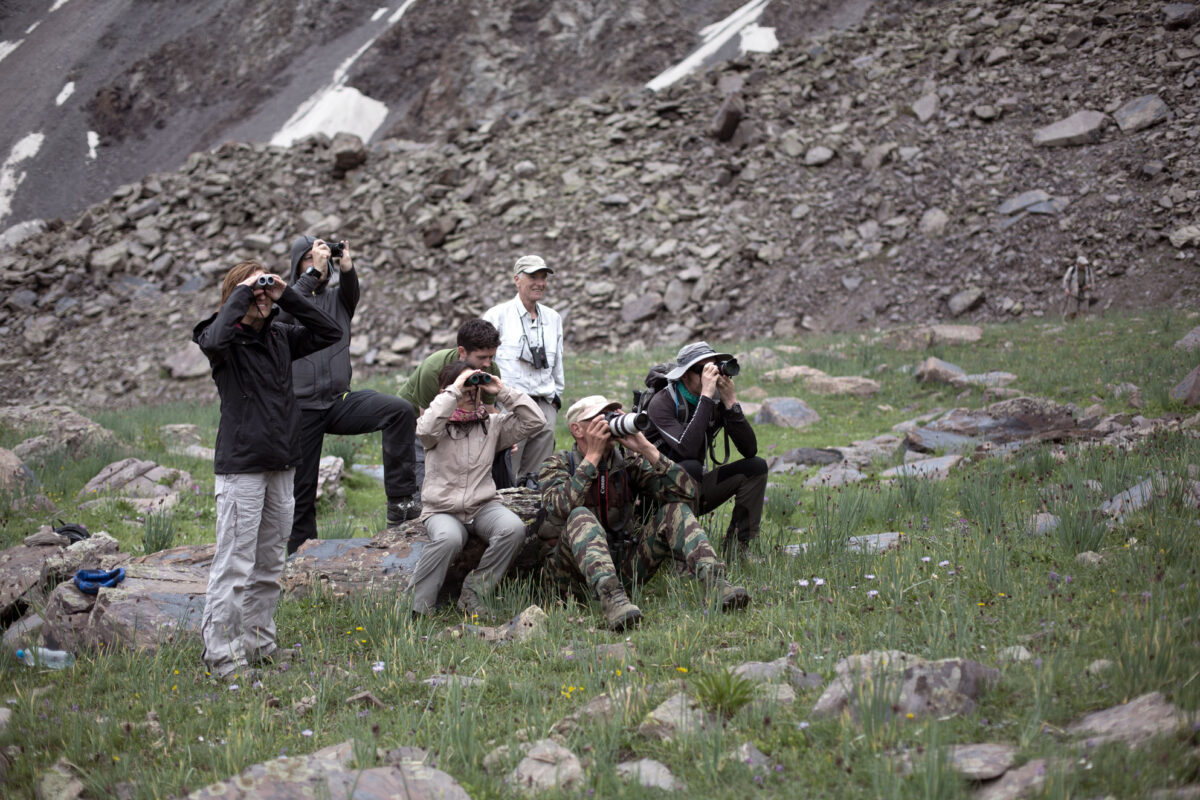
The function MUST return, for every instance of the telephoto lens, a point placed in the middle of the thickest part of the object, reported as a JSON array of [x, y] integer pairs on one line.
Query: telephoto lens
[[729, 367], [478, 378], [265, 280], [622, 425]]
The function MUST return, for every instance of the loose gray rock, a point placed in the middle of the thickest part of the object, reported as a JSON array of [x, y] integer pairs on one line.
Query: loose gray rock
[[1133, 723], [1142, 112], [926, 107], [1014, 654], [834, 475], [643, 307], [1180, 15], [787, 412], [935, 370], [650, 774], [1082, 127], [818, 155], [188, 362], [1190, 340], [547, 767], [964, 301], [875, 542], [677, 716], [1042, 523], [933, 222], [781, 669], [981, 762], [1020, 782], [1089, 558], [333, 772]]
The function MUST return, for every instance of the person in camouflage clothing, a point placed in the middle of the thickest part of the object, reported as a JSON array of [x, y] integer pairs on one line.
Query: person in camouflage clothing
[[607, 542]]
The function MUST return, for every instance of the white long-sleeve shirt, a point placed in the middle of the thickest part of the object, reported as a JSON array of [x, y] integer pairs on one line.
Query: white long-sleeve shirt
[[518, 330]]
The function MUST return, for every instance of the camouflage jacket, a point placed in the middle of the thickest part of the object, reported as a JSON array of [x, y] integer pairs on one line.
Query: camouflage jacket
[[562, 491]]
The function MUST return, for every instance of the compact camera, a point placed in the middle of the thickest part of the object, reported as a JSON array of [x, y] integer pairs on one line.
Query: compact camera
[[729, 367], [621, 424], [537, 357], [478, 378], [264, 281], [336, 249]]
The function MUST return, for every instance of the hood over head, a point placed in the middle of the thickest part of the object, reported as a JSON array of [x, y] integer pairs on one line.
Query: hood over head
[[300, 248]]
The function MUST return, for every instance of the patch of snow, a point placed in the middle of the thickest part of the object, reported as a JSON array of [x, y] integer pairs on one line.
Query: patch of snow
[[379, 12], [10, 179], [32, 27], [8, 47], [335, 110], [715, 36], [66, 92], [57, 5], [93, 142], [757, 39], [338, 108]]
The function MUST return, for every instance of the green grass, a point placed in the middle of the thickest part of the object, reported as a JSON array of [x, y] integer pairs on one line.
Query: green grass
[[968, 581]]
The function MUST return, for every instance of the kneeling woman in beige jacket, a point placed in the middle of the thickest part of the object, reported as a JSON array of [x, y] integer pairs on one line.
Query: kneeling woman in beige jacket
[[461, 433]]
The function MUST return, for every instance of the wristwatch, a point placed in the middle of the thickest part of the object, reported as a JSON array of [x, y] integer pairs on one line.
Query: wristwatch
[[313, 272]]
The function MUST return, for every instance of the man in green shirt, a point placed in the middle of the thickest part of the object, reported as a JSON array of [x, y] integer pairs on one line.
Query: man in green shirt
[[477, 341]]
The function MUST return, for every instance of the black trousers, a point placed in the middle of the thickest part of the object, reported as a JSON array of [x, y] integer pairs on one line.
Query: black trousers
[[745, 481], [351, 414]]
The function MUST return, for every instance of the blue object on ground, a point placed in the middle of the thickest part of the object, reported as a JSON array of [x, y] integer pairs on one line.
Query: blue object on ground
[[89, 581]]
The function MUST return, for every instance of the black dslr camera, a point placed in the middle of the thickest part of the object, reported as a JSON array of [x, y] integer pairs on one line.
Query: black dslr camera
[[336, 249], [621, 425], [264, 281], [729, 367], [478, 378]]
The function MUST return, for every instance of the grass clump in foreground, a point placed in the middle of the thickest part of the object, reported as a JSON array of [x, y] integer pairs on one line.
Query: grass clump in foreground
[[969, 581]]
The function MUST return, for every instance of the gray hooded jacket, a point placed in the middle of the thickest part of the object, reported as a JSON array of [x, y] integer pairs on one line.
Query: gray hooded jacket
[[319, 378]]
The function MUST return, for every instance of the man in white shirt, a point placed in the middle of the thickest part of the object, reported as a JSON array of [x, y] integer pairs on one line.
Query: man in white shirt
[[530, 357]]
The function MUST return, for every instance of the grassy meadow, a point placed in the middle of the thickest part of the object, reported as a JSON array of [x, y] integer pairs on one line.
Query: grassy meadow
[[969, 581]]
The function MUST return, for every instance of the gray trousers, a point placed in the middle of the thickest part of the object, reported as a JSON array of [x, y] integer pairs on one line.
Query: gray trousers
[[537, 448], [495, 524], [254, 518]]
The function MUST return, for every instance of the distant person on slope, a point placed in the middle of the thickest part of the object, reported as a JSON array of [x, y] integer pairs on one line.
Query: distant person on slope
[[251, 352], [531, 357], [322, 387]]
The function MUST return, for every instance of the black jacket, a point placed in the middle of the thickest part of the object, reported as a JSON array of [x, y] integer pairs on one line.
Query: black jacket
[[319, 379], [259, 428], [686, 432]]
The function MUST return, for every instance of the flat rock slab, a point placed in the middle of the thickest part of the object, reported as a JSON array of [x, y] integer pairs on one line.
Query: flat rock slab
[[1015, 783], [913, 685], [677, 716], [548, 766], [777, 671], [929, 468], [861, 453], [1187, 391], [1133, 723], [935, 370], [352, 566], [61, 427], [981, 762], [1015, 420], [331, 772], [28, 571], [601, 708], [834, 475], [157, 604], [1135, 498], [149, 486], [651, 774], [875, 542], [787, 412], [1142, 112], [1082, 127], [929, 440]]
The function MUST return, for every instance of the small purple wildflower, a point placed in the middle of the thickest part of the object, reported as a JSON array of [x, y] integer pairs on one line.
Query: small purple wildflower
[[925, 559], [943, 563], [873, 593]]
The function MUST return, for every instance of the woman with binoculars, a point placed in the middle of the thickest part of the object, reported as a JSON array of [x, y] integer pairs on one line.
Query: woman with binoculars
[[461, 432]]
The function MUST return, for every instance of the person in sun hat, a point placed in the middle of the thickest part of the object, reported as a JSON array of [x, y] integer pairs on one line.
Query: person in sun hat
[[698, 403], [530, 357], [600, 540]]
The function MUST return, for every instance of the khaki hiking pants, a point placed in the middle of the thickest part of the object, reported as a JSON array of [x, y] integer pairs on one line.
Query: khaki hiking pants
[[254, 519]]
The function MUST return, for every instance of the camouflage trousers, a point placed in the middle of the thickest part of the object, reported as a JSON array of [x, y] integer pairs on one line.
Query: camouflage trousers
[[585, 555]]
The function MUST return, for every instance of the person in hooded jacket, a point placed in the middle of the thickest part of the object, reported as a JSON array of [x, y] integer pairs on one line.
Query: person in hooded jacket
[[251, 353], [322, 387]]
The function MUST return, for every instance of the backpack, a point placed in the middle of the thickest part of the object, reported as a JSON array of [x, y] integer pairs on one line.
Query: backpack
[[657, 381], [73, 531]]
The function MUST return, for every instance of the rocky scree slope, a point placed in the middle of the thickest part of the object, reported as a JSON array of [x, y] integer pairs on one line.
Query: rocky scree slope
[[875, 178]]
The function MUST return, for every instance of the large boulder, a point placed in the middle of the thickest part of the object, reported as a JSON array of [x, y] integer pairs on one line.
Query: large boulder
[[29, 571], [1082, 127], [787, 412], [1018, 419], [1133, 723], [547, 767], [335, 772], [1187, 391], [145, 484]]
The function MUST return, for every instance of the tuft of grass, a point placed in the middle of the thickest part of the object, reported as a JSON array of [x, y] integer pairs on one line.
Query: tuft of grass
[[722, 692], [158, 532]]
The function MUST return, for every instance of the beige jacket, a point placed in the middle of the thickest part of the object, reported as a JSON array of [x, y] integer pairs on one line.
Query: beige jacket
[[458, 467]]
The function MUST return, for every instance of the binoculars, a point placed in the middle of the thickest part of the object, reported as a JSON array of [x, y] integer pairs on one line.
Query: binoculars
[[264, 281], [478, 378]]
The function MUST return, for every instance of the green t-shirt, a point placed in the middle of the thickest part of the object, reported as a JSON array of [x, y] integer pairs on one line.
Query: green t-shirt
[[422, 386]]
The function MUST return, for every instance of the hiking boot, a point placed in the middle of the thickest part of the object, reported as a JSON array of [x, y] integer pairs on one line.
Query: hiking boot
[[470, 604], [278, 657], [733, 548], [619, 613], [732, 597], [403, 510]]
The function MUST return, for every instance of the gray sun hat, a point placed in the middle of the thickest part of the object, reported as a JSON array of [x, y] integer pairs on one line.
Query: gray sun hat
[[530, 264], [690, 355]]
